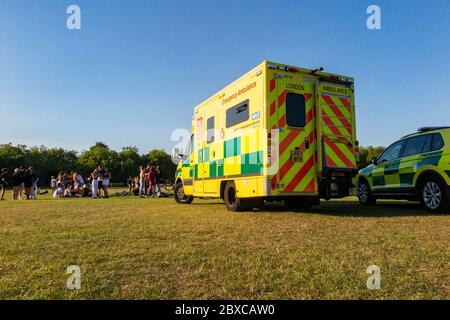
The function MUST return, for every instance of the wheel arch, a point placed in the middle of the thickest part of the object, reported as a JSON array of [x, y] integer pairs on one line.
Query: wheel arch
[[429, 172]]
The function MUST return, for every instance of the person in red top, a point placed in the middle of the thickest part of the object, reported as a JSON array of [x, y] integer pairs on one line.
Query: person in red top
[[147, 180], [152, 177]]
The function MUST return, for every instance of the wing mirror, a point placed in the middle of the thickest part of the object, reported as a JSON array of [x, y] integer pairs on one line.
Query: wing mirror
[[374, 161]]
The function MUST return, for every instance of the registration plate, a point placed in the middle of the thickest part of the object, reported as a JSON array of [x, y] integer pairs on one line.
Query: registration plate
[[296, 156]]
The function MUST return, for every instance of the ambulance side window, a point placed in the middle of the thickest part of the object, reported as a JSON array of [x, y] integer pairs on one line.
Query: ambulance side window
[[237, 114], [210, 130], [191, 145], [295, 110]]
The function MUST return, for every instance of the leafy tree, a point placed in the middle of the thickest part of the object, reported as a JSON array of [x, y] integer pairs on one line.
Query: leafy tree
[[161, 158], [366, 154], [129, 162], [98, 154]]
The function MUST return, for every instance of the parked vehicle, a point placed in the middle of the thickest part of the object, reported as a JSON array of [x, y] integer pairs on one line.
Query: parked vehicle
[[417, 167], [278, 133]]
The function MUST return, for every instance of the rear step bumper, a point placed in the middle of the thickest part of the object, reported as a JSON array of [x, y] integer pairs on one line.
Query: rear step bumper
[[337, 183]]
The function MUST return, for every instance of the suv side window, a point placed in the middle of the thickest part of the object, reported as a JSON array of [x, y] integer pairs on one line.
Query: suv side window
[[438, 142], [391, 153], [414, 145]]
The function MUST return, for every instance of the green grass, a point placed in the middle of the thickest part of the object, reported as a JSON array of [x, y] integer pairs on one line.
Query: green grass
[[131, 248]]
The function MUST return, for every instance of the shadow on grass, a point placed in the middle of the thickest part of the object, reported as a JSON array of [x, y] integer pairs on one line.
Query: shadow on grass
[[346, 208], [354, 209]]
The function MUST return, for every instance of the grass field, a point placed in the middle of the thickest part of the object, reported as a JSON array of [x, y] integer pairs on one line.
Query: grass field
[[131, 248]]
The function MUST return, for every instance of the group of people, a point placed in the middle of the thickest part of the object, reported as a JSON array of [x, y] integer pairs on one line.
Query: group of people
[[23, 180], [26, 184], [147, 184], [74, 185]]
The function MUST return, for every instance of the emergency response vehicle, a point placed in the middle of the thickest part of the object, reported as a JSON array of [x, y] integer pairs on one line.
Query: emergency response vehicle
[[417, 167], [278, 133]]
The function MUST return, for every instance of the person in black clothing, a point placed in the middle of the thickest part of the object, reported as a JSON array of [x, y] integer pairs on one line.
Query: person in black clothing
[[29, 178], [3, 182], [16, 182]]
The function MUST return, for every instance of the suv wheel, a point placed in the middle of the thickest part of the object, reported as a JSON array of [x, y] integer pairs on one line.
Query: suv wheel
[[365, 195], [433, 195], [180, 196]]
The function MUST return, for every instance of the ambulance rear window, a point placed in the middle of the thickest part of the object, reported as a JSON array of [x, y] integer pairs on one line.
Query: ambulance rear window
[[237, 114], [295, 110]]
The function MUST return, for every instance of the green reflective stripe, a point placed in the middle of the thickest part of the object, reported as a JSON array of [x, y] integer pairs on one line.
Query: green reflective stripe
[[200, 156], [407, 178], [431, 159], [251, 163], [378, 181], [232, 147], [392, 168], [206, 155], [220, 168], [196, 171], [212, 169]]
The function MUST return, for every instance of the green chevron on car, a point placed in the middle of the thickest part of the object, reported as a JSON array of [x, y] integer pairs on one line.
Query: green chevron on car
[[417, 168]]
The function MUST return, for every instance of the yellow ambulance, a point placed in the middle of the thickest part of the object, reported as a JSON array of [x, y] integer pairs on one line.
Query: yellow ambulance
[[278, 133]]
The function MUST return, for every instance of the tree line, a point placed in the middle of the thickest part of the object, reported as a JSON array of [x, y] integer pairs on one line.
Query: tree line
[[49, 162]]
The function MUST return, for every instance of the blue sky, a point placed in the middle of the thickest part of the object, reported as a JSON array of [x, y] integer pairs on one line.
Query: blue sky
[[136, 69]]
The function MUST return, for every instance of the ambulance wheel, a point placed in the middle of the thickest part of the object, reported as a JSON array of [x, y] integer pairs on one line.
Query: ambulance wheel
[[180, 196], [365, 195], [234, 203], [433, 195]]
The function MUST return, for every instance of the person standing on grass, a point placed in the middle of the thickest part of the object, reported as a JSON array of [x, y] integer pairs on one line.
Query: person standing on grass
[[94, 179], [158, 180], [28, 181], [147, 179], [141, 181], [3, 183], [106, 182], [152, 178], [16, 182], [22, 173]]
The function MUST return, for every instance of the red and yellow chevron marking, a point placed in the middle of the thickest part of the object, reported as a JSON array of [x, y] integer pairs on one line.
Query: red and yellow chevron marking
[[338, 154], [336, 116], [295, 176]]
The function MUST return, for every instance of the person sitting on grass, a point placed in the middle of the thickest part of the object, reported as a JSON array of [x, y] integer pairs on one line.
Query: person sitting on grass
[[59, 192]]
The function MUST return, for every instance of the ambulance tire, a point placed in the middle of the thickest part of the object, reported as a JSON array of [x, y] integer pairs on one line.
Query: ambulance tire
[[234, 203], [433, 195], [179, 195], [365, 196]]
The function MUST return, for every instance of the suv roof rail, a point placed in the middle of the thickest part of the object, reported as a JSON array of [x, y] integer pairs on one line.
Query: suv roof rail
[[428, 129], [424, 130]]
